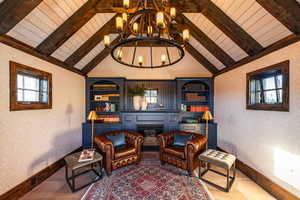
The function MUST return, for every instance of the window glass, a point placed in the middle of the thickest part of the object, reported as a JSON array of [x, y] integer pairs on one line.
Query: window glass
[[31, 83], [268, 83], [151, 96], [280, 96], [270, 96], [279, 81]]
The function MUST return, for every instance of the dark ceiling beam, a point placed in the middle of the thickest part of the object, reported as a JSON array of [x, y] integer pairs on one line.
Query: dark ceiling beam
[[13, 11], [86, 47], [5, 39], [201, 59], [69, 27], [203, 39], [285, 11], [270, 49], [98, 59], [229, 27]]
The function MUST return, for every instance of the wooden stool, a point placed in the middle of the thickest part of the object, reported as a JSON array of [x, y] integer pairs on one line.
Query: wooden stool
[[220, 159]]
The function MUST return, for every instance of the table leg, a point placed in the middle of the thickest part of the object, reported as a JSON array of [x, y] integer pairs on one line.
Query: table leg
[[73, 181]]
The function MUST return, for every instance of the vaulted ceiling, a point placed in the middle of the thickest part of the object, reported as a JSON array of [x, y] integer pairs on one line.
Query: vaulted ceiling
[[225, 33]]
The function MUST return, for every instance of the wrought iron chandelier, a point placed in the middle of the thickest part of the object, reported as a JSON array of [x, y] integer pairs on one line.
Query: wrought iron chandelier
[[144, 29]]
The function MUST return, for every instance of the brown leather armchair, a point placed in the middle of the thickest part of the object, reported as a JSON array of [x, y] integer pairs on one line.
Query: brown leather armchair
[[186, 157], [116, 158]]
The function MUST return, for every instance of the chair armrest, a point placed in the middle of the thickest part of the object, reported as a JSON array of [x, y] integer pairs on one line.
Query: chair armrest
[[196, 144], [165, 139], [104, 144]]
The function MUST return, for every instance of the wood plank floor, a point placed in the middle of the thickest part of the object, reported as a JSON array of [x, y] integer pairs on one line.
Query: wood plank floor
[[55, 188]]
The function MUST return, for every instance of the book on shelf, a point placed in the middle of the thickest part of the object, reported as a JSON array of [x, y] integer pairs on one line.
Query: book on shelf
[[86, 155], [194, 97], [198, 108], [104, 87]]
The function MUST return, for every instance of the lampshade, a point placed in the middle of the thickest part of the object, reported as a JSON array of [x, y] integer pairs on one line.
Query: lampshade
[[92, 115], [207, 115]]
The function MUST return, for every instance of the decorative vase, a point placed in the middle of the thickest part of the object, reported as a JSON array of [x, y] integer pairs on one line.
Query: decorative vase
[[137, 102], [144, 104]]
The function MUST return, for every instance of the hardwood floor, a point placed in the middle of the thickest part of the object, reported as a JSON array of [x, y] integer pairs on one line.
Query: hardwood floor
[[55, 188]]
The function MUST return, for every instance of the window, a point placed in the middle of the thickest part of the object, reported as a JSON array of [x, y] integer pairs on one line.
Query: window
[[268, 88], [29, 88], [151, 96]]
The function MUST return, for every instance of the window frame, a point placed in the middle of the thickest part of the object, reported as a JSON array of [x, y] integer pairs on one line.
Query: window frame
[[17, 68], [284, 105], [152, 96]]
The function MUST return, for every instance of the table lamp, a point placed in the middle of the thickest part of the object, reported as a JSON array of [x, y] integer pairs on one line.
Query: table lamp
[[92, 116], [207, 116]]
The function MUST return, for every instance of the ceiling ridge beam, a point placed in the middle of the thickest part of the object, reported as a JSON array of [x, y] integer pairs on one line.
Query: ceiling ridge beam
[[14, 11], [203, 39], [93, 41], [68, 28], [270, 49], [7, 40], [244, 40], [285, 11], [98, 59]]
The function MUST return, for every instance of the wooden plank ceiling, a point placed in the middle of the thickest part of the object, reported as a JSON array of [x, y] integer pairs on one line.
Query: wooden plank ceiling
[[225, 34]]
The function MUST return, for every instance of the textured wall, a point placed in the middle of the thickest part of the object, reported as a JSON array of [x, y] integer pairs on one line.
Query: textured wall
[[268, 141], [187, 67], [31, 140]]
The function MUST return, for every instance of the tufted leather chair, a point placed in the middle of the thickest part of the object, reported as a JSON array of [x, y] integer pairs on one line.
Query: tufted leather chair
[[115, 158], [186, 157]]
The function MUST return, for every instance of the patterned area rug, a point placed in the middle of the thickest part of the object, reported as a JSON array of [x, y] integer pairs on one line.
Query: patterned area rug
[[148, 181]]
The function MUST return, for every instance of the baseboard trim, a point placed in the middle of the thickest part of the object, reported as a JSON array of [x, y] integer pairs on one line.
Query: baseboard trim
[[27, 185], [274, 189]]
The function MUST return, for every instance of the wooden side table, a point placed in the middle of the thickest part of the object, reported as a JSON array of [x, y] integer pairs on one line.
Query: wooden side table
[[73, 164]]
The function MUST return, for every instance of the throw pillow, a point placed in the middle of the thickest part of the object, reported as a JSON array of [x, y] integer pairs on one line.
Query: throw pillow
[[117, 140], [181, 140]]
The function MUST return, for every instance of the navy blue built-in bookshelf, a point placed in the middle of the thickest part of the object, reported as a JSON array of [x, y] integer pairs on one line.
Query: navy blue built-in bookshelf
[[169, 113]]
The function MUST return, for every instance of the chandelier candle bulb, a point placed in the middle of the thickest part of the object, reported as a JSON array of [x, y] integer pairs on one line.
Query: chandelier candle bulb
[[106, 40], [173, 12], [119, 54], [126, 4], [125, 17], [119, 23], [163, 59], [135, 27], [186, 34], [140, 59], [150, 30], [160, 19]]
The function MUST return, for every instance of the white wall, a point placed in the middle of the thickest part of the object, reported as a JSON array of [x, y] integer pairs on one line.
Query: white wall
[[31, 140], [267, 141], [187, 67]]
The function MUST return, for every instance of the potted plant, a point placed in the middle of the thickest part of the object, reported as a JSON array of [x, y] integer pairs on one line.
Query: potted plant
[[137, 93]]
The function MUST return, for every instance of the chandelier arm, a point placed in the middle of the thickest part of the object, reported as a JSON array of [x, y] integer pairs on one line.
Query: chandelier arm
[[155, 5], [134, 51], [151, 56], [142, 25], [168, 55]]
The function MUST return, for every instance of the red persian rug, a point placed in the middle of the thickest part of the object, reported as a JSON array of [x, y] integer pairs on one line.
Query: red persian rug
[[148, 181]]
